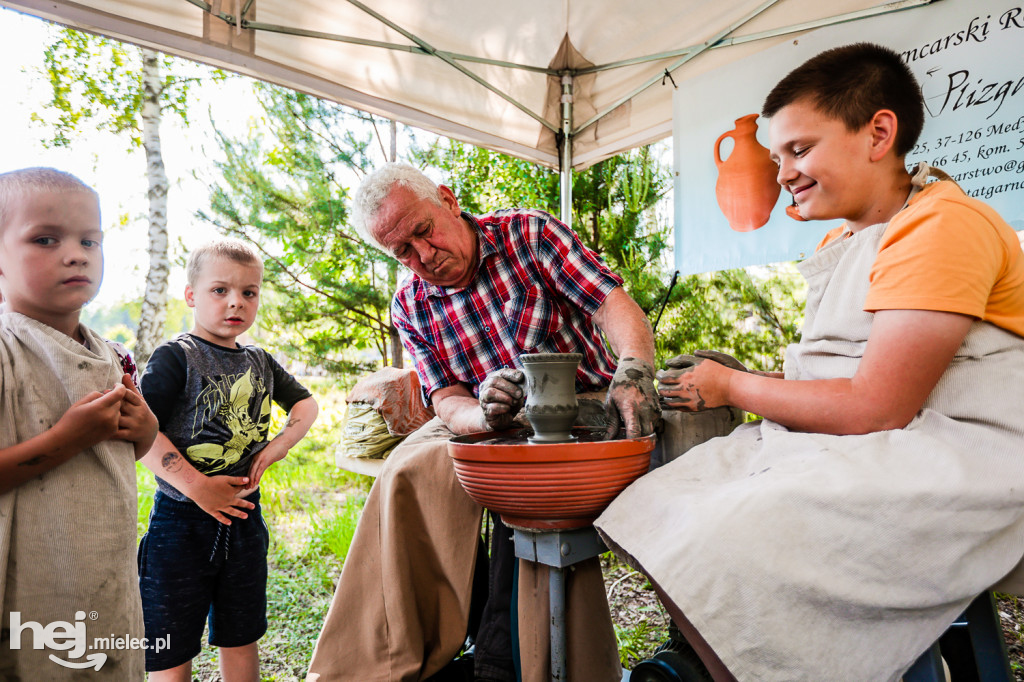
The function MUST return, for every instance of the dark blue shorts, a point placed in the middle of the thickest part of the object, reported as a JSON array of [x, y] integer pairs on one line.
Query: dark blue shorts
[[193, 568]]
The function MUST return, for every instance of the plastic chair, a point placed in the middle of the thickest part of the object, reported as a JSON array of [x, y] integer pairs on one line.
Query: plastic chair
[[972, 647]]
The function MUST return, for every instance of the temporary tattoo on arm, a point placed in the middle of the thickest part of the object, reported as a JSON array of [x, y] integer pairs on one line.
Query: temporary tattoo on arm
[[172, 462], [292, 422], [34, 461]]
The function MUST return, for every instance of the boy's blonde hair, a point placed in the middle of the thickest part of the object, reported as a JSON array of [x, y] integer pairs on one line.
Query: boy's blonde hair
[[232, 249], [17, 183]]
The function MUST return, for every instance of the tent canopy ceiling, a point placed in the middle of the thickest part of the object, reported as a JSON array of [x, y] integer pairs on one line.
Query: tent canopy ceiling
[[487, 73]]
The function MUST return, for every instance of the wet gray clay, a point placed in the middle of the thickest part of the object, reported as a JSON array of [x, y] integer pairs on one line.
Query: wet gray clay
[[551, 395]]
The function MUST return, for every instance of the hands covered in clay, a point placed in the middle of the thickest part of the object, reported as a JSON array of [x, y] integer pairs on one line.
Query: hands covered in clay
[[693, 383], [632, 397], [502, 395]]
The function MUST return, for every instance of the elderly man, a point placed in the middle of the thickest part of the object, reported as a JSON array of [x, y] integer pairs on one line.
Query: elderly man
[[483, 291]]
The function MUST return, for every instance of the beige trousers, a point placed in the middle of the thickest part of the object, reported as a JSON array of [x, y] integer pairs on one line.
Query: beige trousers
[[401, 608]]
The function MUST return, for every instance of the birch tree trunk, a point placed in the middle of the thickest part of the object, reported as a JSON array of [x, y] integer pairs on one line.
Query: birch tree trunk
[[154, 303], [396, 341]]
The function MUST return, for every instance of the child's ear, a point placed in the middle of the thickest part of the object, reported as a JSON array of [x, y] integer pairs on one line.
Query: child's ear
[[883, 126], [190, 300]]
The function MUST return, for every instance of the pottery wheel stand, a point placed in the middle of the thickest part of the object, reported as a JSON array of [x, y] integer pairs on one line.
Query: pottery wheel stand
[[557, 549]]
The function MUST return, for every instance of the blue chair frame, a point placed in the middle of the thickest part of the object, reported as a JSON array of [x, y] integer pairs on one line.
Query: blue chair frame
[[973, 647]]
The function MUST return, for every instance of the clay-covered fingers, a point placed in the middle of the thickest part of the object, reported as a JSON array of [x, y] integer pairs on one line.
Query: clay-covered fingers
[[682, 362], [504, 385], [676, 388], [698, 384], [611, 411], [671, 376], [502, 395], [722, 359], [632, 397], [633, 420]]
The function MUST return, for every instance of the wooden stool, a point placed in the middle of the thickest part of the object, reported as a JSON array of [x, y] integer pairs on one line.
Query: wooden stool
[[557, 549]]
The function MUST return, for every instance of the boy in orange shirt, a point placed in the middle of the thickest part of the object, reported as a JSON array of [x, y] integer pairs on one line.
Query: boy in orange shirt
[[883, 490]]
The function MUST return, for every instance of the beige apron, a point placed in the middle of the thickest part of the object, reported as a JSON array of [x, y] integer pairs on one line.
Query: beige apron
[[402, 605], [803, 556], [67, 537]]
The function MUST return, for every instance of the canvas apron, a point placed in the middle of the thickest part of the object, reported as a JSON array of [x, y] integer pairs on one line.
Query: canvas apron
[[802, 556], [67, 537], [401, 608]]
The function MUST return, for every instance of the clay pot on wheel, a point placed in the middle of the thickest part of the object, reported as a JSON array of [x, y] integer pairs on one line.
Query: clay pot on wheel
[[747, 188], [551, 403]]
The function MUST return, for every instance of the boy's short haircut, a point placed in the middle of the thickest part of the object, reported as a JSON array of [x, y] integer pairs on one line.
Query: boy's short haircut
[[851, 84], [14, 184], [375, 189], [232, 249]]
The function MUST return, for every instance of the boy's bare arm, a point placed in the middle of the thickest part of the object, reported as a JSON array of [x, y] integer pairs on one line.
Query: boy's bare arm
[[906, 354], [91, 420], [300, 419], [218, 496]]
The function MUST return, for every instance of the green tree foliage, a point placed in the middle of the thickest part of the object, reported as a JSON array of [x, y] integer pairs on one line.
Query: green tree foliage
[[284, 189], [485, 181], [749, 314], [118, 321], [127, 91], [97, 83], [613, 203]]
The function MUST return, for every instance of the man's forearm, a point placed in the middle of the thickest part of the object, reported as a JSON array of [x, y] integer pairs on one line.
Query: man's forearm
[[461, 414], [626, 327]]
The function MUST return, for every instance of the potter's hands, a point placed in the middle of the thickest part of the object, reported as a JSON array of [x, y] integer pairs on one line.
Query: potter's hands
[[693, 383], [631, 395], [502, 395]]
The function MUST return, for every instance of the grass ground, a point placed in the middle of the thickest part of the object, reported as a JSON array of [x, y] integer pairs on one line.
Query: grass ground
[[312, 508]]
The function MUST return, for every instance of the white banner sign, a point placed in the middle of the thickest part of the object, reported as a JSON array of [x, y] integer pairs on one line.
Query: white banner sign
[[968, 57]]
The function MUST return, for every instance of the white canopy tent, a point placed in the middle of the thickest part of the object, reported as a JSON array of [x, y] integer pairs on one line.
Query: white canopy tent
[[564, 83]]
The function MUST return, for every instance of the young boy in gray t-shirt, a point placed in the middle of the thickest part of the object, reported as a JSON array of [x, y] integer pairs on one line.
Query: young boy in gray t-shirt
[[205, 554]]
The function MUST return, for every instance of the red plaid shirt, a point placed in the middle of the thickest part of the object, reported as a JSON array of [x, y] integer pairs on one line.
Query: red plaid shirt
[[536, 289]]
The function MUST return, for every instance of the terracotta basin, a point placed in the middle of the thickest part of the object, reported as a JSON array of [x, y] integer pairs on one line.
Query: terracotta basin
[[542, 486]]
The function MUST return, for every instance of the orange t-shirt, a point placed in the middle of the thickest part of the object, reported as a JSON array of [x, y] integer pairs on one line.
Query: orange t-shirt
[[948, 252]]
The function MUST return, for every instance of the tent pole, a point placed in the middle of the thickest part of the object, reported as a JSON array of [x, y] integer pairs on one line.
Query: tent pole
[[565, 209]]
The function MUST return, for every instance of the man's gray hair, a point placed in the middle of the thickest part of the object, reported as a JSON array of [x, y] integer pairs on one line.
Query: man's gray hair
[[16, 183], [376, 187]]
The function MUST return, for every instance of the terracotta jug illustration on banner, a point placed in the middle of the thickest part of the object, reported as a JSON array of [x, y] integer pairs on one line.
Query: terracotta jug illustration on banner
[[746, 187]]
